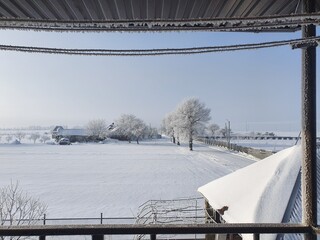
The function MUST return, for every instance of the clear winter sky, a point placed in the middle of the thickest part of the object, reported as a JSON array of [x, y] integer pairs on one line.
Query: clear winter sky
[[256, 90]]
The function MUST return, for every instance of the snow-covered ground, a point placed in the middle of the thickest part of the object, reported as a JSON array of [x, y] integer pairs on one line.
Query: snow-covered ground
[[84, 180]]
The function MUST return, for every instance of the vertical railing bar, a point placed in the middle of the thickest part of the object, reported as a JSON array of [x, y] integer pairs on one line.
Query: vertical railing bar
[[256, 236], [308, 126], [97, 237], [153, 236]]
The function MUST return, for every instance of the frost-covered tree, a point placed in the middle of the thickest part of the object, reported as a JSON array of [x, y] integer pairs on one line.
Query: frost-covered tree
[[223, 132], [44, 138], [151, 132], [18, 208], [168, 126], [20, 135], [212, 129], [130, 127], [97, 129], [8, 138], [191, 117], [34, 137]]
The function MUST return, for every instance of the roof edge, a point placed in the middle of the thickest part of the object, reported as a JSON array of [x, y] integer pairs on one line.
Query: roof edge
[[258, 24]]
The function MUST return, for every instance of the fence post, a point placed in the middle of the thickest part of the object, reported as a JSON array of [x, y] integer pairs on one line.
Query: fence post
[[44, 219], [153, 236], [101, 218], [42, 237]]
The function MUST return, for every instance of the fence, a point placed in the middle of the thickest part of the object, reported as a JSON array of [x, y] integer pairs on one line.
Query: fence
[[258, 153]]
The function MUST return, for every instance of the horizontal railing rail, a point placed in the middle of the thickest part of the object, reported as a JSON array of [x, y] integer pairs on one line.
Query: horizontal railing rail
[[46, 219], [153, 229]]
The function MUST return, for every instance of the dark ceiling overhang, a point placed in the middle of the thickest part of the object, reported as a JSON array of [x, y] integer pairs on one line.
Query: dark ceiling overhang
[[155, 15]]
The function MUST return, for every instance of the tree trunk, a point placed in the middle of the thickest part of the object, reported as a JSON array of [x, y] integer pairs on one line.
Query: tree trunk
[[173, 139], [190, 144]]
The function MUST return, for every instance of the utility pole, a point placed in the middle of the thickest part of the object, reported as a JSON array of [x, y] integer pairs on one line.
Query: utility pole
[[228, 133]]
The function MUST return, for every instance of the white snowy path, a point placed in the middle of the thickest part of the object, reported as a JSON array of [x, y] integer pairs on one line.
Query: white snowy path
[[114, 179]]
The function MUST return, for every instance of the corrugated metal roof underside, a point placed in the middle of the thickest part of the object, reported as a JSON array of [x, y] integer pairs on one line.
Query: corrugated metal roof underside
[[149, 11]]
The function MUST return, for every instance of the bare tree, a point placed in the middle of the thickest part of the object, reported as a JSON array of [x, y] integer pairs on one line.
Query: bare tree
[[212, 129], [20, 135], [97, 129], [44, 138], [191, 117], [8, 138], [17, 208], [34, 137]]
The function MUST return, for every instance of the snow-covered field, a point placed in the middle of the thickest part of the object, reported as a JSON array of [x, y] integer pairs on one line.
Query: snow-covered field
[[84, 180]]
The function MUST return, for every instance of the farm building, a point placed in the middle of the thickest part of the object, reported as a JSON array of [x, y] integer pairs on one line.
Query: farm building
[[74, 134], [268, 191]]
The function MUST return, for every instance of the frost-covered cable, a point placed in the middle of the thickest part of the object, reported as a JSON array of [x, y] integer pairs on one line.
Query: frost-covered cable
[[162, 51]]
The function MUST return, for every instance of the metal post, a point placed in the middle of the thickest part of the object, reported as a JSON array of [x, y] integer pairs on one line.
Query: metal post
[[308, 141], [256, 236], [97, 237]]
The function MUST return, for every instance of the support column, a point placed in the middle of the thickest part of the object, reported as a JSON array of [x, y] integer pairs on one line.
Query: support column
[[309, 131]]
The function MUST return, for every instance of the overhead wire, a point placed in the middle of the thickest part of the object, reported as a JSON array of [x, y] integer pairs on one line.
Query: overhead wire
[[162, 51]]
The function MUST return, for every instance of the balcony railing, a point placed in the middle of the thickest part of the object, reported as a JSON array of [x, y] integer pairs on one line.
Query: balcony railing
[[99, 231]]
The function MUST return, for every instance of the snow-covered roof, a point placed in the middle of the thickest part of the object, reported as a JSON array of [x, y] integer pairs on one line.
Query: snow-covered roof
[[259, 193], [73, 132]]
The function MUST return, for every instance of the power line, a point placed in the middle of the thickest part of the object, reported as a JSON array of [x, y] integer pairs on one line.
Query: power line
[[295, 43]]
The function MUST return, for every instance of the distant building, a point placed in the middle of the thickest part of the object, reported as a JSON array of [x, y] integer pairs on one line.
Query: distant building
[[74, 135], [268, 191]]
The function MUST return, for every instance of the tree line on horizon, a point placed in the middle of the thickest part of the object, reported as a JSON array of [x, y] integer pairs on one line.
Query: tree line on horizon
[[127, 127]]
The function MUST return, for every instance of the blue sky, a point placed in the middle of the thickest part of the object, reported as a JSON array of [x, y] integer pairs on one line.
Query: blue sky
[[256, 90]]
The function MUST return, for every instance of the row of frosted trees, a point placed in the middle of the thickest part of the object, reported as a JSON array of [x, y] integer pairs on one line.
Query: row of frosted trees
[[127, 127], [187, 121]]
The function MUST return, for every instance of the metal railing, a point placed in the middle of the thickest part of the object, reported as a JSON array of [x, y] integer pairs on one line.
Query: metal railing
[[98, 231]]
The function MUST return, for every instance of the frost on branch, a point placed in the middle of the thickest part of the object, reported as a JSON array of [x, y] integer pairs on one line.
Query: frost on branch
[[187, 121], [18, 208]]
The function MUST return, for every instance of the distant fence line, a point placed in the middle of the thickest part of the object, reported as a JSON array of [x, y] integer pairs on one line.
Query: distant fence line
[[258, 153], [258, 137], [44, 220], [92, 220]]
